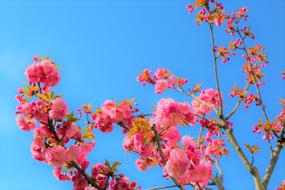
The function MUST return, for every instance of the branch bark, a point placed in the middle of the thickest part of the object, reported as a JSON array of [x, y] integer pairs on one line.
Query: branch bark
[[252, 170], [274, 158], [157, 140]]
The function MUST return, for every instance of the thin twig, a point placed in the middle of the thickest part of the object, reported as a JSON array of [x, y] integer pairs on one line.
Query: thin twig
[[216, 70], [165, 187], [199, 99], [157, 140], [274, 158]]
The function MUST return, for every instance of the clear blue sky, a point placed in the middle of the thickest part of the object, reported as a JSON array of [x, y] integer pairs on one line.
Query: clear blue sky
[[101, 47]]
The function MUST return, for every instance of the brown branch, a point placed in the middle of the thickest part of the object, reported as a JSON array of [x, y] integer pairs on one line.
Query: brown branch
[[216, 70], [255, 81], [252, 170], [238, 103], [180, 89], [200, 137], [166, 187], [218, 180], [157, 140], [274, 158], [73, 163]]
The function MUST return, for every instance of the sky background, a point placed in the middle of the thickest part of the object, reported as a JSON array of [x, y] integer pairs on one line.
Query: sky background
[[101, 46]]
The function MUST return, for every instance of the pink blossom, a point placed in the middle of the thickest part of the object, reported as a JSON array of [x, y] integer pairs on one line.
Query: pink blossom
[[33, 109], [121, 182], [111, 113], [178, 164], [102, 121], [71, 130], [37, 148], [171, 136], [85, 148], [190, 8], [160, 74], [56, 156], [43, 72], [160, 86], [57, 172], [79, 182], [128, 143], [141, 164], [171, 113], [201, 174], [25, 123], [72, 153], [99, 174], [58, 109], [206, 98]]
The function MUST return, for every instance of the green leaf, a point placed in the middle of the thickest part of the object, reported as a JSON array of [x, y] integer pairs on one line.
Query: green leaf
[[43, 97], [88, 133], [70, 118], [115, 165]]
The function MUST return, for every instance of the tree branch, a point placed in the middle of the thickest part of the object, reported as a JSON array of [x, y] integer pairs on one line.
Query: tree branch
[[274, 158], [216, 70], [252, 170], [180, 89], [157, 140]]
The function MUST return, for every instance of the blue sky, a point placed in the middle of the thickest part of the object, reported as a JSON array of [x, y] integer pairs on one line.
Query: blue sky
[[101, 47]]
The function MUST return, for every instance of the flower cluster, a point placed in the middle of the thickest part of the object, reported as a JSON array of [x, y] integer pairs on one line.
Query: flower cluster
[[162, 79], [205, 101], [271, 128], [58, 140], [110, 113], [187, 164], [247, 98], [268, 127], [216, 16], [43, 71], [235, 18], [169, 113]]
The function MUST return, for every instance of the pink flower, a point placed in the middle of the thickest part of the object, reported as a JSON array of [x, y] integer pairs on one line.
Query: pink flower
[[25, 123], [58, 109], [190, 8], [111, 113], [170, 113], [99, 174], [160, 74], [50, 73], [201, 174], [57, 172], [43, 72], [178, 164], [71, 130], [160, 86], [128, 143], [34, 73], [79, 182], [121, 182], [171, 136], [37, 148], [207, 97], [72, 153], [34, 109], [56, 156], [141, 164], [85, 148]]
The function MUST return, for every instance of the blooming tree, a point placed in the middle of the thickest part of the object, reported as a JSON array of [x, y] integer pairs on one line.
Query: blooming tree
[[155, 137]]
